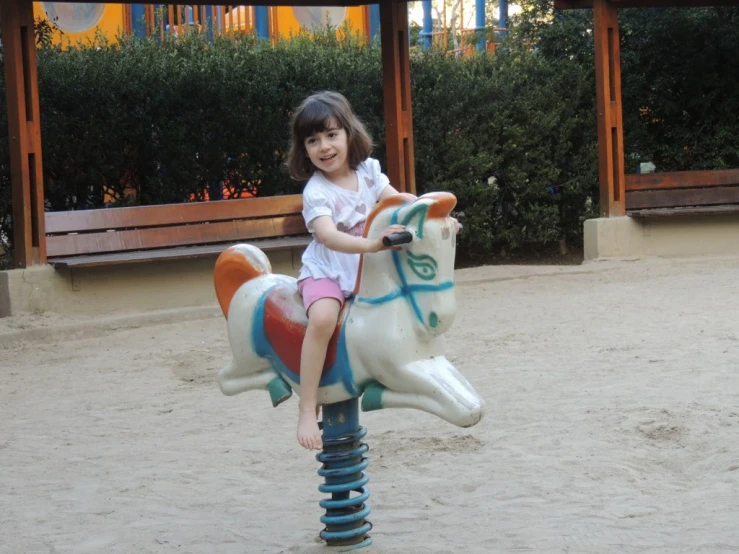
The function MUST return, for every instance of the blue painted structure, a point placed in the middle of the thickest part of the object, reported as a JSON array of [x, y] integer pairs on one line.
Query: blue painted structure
[[428, 24], [374, 21], [261, 21], [138, 16], [480, 23], [343, 470], [206, 19]]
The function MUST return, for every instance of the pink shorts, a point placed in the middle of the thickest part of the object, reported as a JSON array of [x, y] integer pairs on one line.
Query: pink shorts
[[314, 289]]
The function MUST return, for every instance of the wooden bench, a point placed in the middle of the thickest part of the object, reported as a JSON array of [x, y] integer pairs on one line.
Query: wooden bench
[[90, 238], [682, 193]]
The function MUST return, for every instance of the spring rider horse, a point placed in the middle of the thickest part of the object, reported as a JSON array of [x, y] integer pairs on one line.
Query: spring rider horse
[[387, 347]]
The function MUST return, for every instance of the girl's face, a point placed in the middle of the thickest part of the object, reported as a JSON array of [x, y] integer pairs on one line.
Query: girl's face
[[328, 150]]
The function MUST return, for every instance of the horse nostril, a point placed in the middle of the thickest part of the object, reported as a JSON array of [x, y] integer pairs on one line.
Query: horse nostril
[[433, 319]]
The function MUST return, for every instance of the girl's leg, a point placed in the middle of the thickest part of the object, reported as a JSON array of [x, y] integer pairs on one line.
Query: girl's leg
[[323, 316]]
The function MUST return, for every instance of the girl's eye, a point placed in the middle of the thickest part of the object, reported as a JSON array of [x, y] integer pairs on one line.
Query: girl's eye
[[331, 135]]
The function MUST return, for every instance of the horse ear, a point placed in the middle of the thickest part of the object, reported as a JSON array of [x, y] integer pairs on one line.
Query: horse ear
[[432, 205], [443, 203], [398, 200], [415, 216]]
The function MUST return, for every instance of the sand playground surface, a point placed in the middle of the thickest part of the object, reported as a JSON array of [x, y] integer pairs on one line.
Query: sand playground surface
[[611, 426]]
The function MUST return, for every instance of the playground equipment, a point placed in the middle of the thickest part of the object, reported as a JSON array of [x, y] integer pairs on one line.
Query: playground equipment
[[387, 348], [450, 32], [81, 21]]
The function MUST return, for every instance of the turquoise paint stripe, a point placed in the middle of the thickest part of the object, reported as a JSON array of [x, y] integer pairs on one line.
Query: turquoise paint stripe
[[410, 289], [404, 292]]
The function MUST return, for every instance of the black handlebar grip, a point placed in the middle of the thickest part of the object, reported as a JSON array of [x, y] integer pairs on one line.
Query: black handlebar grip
[[394, 239]]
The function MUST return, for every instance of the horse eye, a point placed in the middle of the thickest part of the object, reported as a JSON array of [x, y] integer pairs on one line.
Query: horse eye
[[423, 266]]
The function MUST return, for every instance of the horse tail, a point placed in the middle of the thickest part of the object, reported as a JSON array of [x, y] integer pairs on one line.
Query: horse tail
[[235, 266]]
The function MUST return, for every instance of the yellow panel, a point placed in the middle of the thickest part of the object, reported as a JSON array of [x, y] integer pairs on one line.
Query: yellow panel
[[288, 22], [110, 22]]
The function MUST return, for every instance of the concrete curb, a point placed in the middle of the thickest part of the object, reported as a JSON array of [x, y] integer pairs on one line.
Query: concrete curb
[[101, 326]]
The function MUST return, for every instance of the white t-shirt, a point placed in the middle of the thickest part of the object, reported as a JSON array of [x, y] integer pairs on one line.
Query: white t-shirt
[[349, 210]]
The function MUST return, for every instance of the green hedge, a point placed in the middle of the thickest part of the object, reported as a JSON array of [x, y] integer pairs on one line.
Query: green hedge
[[174, 118], [679, 78]]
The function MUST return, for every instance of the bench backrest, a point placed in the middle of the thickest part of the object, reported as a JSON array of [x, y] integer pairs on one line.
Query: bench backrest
[[682, 189], [147, 227]]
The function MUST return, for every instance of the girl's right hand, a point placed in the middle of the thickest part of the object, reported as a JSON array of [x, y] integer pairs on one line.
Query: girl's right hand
[[376, 245]]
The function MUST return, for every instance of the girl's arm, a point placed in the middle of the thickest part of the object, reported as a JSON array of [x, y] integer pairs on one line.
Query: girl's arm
[[388, 191], [325, 230]]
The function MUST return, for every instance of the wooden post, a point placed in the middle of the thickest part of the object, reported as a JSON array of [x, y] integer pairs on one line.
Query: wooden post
[[24, 129], [608, 95], [397, 95]]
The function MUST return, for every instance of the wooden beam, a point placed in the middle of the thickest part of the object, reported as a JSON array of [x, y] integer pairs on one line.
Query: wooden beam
[[180, 235], [397, 95], [662, 213], [136, 217], [682, 179], [608, 95], [24, 130], [572, 4], [676, 198], [176, 253], [128, 21]]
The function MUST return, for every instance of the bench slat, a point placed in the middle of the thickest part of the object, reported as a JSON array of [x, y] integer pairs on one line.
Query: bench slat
[[675, 198], [652, 213], [682, 179], [171, 214], [181, 235], [178, 253]]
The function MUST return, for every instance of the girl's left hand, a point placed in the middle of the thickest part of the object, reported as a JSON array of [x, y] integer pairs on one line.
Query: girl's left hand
[[457, 225]]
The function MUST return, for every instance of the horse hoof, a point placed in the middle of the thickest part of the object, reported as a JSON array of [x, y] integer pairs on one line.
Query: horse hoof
[[279, 391], [372, 397]]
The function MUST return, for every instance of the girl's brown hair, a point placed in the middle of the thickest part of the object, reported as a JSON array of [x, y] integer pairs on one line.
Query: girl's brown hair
[[315, 115]]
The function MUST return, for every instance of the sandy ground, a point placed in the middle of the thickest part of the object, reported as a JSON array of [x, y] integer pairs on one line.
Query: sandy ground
[[612, 426]]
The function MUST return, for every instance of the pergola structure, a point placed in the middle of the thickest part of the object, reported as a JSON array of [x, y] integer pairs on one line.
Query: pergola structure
[[24, 124], [689, 191]]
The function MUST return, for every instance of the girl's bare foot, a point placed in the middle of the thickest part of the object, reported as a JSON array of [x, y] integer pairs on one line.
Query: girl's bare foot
[[308, 434]]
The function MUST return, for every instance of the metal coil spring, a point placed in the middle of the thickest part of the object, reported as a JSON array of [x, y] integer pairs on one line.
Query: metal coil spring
[[343, 465]]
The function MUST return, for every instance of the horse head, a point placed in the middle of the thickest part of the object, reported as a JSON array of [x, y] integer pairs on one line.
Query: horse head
[[421, 272]]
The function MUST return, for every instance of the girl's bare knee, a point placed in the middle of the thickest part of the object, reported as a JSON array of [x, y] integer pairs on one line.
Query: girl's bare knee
[[323, 316]]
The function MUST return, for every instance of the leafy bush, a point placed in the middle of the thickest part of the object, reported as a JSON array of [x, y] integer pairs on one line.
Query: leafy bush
[[679, 77], [149, 122], [514, 137]]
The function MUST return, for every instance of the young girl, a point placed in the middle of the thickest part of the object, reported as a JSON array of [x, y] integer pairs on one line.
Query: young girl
[[331, 148]]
